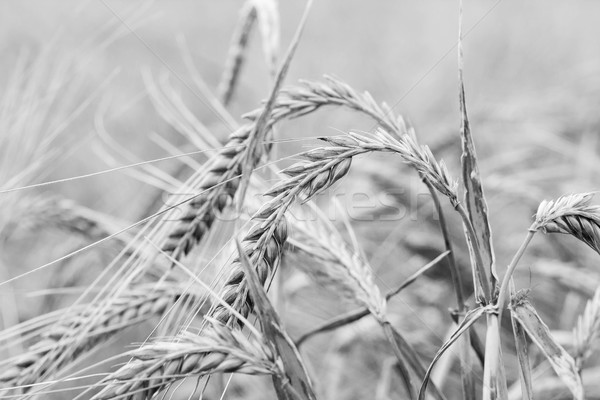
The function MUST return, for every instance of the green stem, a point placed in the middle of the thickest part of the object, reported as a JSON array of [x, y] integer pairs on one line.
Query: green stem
[[504, 288]]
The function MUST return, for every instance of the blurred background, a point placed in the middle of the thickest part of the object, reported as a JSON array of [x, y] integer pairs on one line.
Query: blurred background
[[533, 96]]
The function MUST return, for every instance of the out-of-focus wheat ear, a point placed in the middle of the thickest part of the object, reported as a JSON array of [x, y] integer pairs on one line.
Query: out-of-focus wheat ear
[[572, 215], [236, 54], [385, 379], [587, 331], [269, 27], [355, 315], [217, 350], [67, 215], [582, 281], [344, 270]]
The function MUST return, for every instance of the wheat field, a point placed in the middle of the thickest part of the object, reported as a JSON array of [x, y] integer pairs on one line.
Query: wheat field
[[306, 200]]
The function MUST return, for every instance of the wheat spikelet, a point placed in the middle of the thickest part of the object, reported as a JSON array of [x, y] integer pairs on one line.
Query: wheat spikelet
[[67, 340], [221, 181], [572, 215], [587, 331], [218, 349]]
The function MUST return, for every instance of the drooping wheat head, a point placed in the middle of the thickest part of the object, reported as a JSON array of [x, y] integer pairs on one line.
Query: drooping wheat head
[[572, 215]]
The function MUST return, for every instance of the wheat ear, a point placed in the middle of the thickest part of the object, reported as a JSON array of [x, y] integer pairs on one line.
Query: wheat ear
[[572, 215], [218, 349], [67, 340]]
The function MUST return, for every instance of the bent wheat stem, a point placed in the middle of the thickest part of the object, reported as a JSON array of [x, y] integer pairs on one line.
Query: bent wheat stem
[[505, 286]]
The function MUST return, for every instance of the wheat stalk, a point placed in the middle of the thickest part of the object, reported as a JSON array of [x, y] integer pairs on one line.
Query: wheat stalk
[[67, 340], [218, 349], [587, 331], [572, 215]]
